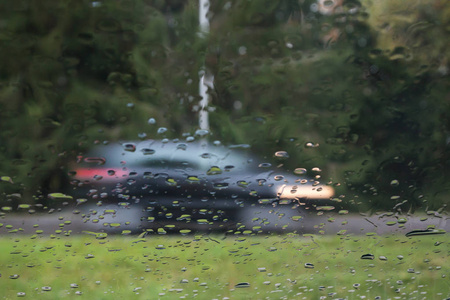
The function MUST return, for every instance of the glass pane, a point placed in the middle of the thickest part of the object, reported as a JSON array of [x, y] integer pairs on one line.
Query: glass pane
[[224, 149]]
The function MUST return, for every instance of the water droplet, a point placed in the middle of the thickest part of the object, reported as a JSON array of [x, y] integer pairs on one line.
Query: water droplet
[[147, 151], [309, 266], [129, 147], [214, 171], [428, 231], [261, 182], [193, 179], [206, 155], [185, 231], [95, 160], [402, 220], [59, 196], [300, 171], [101, 235], [98, 177], [161, 130], [242, 183], [182, 146], [278, 177], [325, 208], [262, 269], [21, 294], [171, 182], [281, 154], [46, 288], [265, 165], [242, 285], [368, 256], [151, 121], [14, 276], [6, 179], [201, 132], [265, 201], [311, 145], [395, 182]]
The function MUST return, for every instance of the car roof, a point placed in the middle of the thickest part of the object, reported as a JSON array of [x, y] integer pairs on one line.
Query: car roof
[[197, 154]]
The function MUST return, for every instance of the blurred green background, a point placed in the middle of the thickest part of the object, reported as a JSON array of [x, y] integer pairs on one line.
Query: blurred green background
[[362, 92]]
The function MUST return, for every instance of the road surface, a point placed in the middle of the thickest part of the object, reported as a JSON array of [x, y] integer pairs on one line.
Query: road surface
[[73, 221]]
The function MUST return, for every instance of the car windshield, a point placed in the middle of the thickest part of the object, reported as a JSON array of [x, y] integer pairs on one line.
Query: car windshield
[[170, 154], [224, 149]]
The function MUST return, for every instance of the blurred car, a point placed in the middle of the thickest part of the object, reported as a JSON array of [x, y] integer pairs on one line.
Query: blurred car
[[195, 183]]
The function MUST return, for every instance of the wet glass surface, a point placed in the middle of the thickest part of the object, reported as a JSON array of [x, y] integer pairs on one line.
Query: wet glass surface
[[224, 149]]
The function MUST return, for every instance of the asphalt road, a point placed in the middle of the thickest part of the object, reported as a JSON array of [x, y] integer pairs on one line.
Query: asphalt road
[[328, 223]]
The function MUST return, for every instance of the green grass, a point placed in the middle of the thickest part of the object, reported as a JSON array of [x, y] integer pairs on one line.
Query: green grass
[[216, 267]]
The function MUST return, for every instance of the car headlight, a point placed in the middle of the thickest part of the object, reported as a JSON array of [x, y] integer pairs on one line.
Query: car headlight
[[305, 192]]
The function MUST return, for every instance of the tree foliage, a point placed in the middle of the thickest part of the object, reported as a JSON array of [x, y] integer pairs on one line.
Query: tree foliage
[[361, 92]]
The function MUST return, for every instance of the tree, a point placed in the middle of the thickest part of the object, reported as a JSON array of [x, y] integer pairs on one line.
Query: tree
[[318, 79]]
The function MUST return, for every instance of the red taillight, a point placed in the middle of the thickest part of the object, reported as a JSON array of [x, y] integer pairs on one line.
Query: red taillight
[[99, 174]]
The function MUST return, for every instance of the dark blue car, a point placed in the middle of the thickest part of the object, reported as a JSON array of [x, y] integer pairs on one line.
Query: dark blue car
[[187, 184]]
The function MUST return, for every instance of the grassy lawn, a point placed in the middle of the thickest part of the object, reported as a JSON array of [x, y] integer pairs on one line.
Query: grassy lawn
[[217, 267]]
